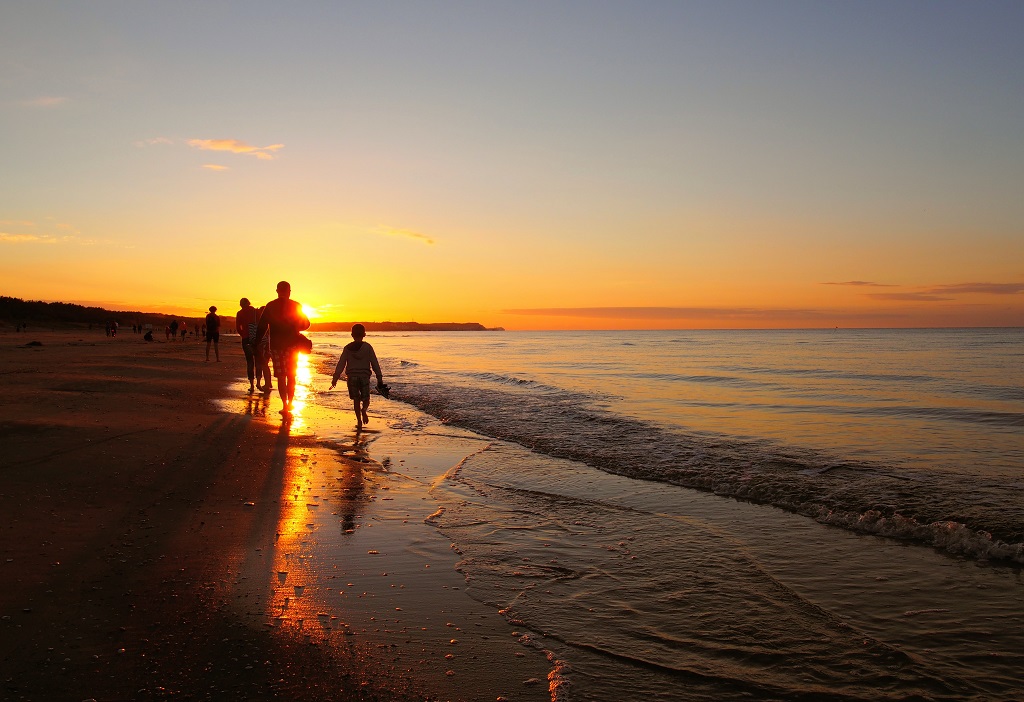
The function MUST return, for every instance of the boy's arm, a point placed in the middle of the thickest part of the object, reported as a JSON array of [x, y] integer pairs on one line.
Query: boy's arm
[[375, 365], [340, 368]]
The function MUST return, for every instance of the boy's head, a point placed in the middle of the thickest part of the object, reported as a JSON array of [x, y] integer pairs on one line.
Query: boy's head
[[213, 308], [358, 331], [244, 302]]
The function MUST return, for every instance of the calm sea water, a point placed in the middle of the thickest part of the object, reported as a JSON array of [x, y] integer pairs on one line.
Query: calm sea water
[[598, 510], [912, 433]]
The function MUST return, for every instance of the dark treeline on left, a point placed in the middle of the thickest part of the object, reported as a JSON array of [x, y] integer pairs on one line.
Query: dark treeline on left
[[63, 314]]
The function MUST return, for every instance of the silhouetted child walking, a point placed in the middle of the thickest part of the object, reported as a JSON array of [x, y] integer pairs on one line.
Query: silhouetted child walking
[[357, 358]]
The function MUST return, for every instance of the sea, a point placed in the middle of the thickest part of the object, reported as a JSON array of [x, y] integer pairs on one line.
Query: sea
[[714, 515]]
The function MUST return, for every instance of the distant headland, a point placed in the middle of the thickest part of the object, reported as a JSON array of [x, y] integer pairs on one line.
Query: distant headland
[[14, 310]]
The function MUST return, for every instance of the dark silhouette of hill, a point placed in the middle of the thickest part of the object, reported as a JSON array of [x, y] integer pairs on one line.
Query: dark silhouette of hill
[[65, 314]]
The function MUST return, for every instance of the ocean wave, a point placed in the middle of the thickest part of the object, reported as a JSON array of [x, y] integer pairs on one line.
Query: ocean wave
[[960, 515]]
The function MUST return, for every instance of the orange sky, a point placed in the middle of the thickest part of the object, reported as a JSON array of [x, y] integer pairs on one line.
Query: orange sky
[[659, 166]]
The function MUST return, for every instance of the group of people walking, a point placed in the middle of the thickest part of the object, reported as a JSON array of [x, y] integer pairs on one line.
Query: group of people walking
[[273, 334]]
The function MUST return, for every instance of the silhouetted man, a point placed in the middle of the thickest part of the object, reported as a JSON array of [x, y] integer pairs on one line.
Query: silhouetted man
[[283, 318]]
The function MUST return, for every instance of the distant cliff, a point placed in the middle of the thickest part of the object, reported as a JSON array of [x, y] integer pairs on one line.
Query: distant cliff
[[402, 326]]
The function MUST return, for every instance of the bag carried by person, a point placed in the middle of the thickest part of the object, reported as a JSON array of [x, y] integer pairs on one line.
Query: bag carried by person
[[304, 344]]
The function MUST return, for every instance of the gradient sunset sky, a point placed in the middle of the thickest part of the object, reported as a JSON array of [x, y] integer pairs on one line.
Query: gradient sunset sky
[[526, 164]]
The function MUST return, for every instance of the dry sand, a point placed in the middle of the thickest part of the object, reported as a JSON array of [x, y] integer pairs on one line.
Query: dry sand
[[142, 543]]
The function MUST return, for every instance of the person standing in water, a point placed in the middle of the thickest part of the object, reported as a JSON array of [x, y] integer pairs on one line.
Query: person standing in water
[[212, 333], [245, 325], [357, 359], [283, 318]]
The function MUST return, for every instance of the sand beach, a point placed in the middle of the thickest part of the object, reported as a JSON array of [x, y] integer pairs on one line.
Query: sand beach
[[495, 533], [153, 543]]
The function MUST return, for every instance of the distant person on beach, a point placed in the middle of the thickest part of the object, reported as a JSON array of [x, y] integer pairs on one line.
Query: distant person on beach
[[212, 333], [148, 336], [174, 330], [261, 353], [357, 359], [245, 325], [284, 319]]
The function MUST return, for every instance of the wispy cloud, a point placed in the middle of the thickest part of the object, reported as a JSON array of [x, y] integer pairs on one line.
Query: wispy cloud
[[909, 297], [45, 101], [863, 284], [9, 238], [406, 233], [235, 146], [215, 167], [948, 292], [751, 314], [980, 288], [153, 141]]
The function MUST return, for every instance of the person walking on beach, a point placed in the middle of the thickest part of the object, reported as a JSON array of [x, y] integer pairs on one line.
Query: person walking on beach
[[261, 353], [245, 325], [357, 358], [284, 319], [213, 333]]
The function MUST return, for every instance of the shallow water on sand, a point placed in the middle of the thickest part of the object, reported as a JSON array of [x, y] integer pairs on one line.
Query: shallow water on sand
[[586, 584], [917, 434]]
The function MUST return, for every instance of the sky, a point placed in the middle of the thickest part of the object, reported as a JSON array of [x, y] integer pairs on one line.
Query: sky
[[530, 165]]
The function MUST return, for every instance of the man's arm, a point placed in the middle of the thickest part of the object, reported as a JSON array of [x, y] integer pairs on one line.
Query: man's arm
[[240, 326], [261, 328]]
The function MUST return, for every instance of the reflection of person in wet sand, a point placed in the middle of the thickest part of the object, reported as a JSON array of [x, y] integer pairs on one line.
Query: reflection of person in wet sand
[[356, 360], [283, 318]]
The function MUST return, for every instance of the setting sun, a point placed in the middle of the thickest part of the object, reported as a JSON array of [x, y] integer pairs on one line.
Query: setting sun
[[310, 312]]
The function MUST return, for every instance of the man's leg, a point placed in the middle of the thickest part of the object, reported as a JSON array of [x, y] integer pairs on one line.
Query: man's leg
[[291, 389]]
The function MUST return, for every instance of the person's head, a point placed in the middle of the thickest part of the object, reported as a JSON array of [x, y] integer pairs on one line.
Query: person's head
[[213, 308], [284, 290], [358, 331], [244, 302]]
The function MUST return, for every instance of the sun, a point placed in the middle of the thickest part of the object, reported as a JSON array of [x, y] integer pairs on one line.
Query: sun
[[310, 312]]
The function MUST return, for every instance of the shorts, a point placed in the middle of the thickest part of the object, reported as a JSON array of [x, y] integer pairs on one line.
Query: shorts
[[212, 336], [359, 387], [286, 362]]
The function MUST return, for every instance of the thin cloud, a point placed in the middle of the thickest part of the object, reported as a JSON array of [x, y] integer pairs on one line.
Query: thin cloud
[[980, 288], [863, 284], [752, 314], [154, 141], [909, 297], [406, 233], [235, 146], [214, 167], [45, 101], [9, 238]]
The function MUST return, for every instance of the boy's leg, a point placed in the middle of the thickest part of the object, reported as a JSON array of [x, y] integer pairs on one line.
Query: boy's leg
[[366, 406], [359, 417]]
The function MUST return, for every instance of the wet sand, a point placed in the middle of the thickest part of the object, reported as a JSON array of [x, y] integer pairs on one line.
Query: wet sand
[[149, 543]]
